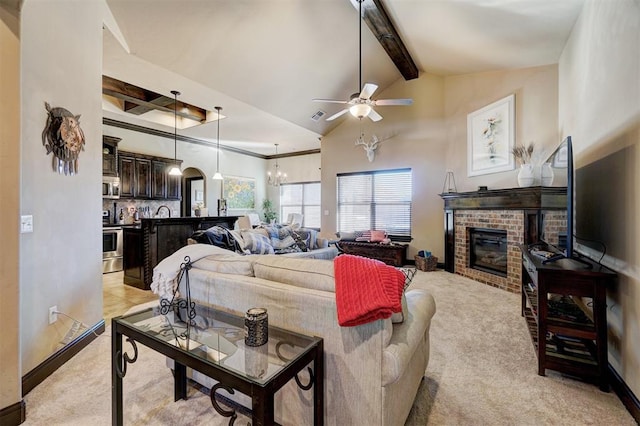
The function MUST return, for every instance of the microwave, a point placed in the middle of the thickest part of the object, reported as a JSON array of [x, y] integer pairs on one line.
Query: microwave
[[110, 187]]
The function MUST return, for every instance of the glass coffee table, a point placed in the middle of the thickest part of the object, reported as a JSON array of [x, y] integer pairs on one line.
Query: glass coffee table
[[213, 343]]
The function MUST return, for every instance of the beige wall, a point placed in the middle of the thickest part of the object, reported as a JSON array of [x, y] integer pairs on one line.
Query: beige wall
[[414, 137], [61, 261], [536, 112], [431, 137], [599, 106], [10, 389]]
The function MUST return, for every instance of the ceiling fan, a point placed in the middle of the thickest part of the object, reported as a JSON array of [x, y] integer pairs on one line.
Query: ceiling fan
[[360, 104]]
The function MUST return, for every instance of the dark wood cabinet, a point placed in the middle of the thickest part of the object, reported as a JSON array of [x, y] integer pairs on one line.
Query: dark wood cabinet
[[159, 179], [145, 246], [143, 178], [110, 155], [391, 254], [564, 304], [147, 177], [127, 170]]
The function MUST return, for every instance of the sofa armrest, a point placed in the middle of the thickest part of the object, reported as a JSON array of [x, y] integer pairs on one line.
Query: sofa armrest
[[408, 335]]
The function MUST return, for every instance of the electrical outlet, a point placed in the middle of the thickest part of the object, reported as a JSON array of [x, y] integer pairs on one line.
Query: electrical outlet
[[53, 314]]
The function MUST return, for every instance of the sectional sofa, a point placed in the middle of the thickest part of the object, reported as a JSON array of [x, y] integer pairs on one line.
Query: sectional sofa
[[372, 371]]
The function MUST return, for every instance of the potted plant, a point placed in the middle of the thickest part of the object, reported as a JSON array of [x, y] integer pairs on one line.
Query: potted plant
[[269, 213], [197, 209]]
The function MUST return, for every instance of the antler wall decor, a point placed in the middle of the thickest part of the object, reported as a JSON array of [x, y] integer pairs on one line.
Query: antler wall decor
[[369, 147]]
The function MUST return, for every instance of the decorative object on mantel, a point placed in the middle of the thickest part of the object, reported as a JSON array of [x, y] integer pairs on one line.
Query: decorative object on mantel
[[175, 170], [490, 138], [523, 155], [63, 137], [546, 174], [449, 183], [218, 175], [278, 177]]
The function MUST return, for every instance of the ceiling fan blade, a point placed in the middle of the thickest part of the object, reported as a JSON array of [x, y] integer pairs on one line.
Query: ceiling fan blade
[[337, 114], [374, 116], [368, 90], [333, 101], [383, 102]]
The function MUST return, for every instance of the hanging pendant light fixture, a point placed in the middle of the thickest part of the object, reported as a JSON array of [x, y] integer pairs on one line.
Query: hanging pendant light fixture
[[277, 178], [218, 175], [175, 170]]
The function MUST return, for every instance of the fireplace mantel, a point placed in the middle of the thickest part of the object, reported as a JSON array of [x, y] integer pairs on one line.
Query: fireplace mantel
[[533, 197], [520, 211]]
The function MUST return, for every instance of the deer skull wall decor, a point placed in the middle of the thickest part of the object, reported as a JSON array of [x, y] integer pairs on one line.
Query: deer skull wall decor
[[369, 147]]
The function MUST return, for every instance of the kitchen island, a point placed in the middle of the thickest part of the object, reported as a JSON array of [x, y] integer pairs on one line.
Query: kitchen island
[[146, 244]]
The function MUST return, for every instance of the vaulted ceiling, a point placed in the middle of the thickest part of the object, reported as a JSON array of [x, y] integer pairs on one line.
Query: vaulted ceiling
[[264, 61]]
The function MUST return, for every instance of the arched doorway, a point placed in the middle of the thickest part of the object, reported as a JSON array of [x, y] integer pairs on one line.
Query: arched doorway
[[193, 190]]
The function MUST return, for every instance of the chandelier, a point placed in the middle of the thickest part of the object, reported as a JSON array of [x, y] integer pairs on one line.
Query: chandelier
[[277, 177]]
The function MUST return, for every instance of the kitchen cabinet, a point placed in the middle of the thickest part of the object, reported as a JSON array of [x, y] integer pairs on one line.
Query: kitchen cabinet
[[110, 155], [147, 177], [155, 239]]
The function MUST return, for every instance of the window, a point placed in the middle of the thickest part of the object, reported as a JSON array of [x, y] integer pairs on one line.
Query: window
[[378, 200], [301, 198]]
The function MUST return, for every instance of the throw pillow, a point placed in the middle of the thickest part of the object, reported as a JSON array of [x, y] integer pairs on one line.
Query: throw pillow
[[257, 243], [409, 273], [378, 236]]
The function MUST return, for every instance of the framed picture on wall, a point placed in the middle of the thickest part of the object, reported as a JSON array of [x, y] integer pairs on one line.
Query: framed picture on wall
[[199, 195], [239, 192], [491, 137]]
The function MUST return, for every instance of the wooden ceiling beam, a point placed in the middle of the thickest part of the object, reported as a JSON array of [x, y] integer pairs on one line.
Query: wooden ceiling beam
[[138, 100], [381, 26]]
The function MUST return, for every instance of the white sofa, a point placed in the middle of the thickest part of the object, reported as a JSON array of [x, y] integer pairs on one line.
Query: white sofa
[[372, 371]]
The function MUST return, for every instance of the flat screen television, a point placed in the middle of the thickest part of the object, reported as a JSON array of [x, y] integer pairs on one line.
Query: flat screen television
[[561, 162]]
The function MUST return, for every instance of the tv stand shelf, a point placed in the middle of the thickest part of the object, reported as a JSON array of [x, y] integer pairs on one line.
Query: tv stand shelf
[[567, 336]]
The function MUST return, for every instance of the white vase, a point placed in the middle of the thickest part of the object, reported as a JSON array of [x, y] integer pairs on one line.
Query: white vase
[[546, 174], [525, 175]]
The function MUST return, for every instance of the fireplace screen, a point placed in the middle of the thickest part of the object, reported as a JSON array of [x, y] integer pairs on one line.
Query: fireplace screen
[[488, 250]]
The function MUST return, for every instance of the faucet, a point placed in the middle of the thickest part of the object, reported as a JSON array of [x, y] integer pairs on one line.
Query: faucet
[[166, 207]]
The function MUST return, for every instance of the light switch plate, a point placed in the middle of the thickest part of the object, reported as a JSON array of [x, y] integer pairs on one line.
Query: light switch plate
[[26, 224]]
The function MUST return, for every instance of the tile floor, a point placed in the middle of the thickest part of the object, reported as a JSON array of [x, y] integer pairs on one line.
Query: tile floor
[[118, 297]]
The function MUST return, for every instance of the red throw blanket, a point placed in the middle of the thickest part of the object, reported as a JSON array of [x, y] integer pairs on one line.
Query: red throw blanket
[[366, 290]]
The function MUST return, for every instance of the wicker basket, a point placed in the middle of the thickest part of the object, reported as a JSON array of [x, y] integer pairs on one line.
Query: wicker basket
[[426, 264]]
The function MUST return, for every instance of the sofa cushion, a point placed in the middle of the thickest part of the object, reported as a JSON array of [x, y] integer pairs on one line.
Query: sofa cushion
[[228, 264], [309, 273]]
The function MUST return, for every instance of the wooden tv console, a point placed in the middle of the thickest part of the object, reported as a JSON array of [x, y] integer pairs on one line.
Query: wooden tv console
[[568, 336]]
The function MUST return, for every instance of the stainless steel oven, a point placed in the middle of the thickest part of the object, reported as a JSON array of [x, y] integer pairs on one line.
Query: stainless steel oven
[[112, 249]]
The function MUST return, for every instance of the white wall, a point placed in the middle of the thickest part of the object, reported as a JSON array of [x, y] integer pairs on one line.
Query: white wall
[[61, 261], [599, 106]]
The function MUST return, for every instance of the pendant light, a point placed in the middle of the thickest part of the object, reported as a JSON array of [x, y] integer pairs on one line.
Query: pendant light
[[277, 178], [218, 175], [175, 170]]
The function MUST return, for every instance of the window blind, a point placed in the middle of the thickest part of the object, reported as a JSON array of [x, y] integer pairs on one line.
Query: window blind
[[301, 198], [378, 200]]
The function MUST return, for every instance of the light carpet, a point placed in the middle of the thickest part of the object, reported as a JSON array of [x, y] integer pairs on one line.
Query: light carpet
[[482, 371]]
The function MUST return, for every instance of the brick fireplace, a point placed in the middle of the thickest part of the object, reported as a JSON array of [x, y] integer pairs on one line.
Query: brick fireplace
[[527, 215]]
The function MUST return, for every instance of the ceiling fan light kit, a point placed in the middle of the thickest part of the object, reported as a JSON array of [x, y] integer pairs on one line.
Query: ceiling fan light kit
[[175, 170], [361, 105]]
